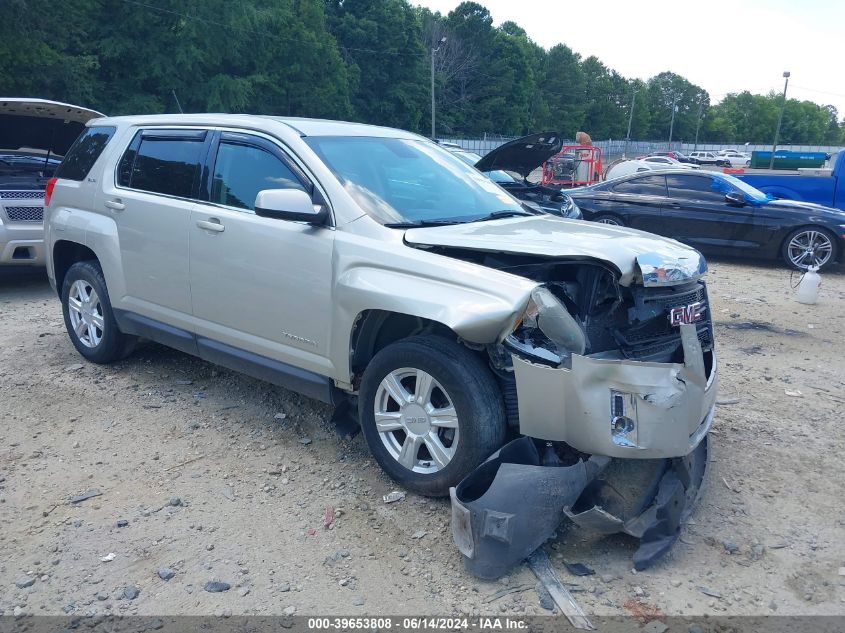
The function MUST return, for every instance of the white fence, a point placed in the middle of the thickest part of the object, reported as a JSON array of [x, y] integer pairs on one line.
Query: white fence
[[613, 147]]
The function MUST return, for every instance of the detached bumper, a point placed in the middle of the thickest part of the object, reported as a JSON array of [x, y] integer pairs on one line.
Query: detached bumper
[[621, 408]]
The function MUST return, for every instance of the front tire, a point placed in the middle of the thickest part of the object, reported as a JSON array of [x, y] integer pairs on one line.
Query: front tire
[[809, 246], [431, 412], [88, 315]]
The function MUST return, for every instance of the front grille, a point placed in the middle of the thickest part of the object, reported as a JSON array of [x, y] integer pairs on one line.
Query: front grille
[[649, 332], [21, 195], [25, 214]]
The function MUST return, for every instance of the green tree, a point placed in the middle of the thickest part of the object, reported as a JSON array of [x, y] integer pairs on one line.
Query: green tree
[[389, 86], [562, 87]]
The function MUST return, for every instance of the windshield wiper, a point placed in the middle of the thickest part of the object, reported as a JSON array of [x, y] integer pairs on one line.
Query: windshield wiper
[[419, 223], [497, 215]]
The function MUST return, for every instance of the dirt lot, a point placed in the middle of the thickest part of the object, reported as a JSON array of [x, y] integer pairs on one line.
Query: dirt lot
[[214, 484]]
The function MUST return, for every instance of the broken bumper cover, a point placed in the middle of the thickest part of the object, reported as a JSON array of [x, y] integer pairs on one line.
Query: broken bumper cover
[[511, 504], [676, 488], [620, 408]]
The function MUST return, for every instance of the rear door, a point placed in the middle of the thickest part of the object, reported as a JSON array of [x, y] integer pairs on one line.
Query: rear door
[[638, 201], [696, 213], [259, 285], [150, 199]]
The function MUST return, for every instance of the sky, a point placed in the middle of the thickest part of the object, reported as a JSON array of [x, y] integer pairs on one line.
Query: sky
[[722, 46]]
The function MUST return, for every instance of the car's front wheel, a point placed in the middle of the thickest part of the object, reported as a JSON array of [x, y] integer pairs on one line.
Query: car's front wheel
[[809, 246], [431, 411], [88, 315]]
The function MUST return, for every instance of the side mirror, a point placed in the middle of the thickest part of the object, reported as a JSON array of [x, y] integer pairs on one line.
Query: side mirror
[[735, 198], [293, 205]]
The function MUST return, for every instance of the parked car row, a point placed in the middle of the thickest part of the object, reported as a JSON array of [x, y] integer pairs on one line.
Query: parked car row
[[722, 158]]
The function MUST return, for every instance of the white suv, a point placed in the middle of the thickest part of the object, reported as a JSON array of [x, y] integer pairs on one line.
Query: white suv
[[708, 158], [370, 268]]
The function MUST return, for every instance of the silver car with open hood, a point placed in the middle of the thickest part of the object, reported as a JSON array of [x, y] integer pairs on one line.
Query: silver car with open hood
[[34, 136]]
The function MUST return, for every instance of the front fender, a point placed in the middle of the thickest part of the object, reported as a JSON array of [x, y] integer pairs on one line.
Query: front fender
[[475, 302]]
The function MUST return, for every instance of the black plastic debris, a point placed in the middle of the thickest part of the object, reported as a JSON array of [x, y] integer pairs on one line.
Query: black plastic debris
[[512, 504], [579, 569], [648, 499]]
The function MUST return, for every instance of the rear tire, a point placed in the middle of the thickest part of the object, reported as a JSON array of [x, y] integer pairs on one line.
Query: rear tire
[[607, 218], [440, 413], [88, 315]]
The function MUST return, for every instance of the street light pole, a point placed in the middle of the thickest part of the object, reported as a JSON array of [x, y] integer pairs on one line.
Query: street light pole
[[698, 122], [672, 122], [780, 119], [630, 120], [433, 51]]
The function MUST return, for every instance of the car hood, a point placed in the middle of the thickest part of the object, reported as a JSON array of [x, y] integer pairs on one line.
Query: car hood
[[658, 260], [805, 207], [41, 125], [523, 155]]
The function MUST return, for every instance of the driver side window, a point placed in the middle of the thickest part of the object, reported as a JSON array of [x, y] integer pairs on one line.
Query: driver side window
[[241, 171], [694, 188]]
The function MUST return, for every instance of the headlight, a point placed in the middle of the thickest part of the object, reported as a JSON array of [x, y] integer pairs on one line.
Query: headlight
[[575, 213], [547, 331]]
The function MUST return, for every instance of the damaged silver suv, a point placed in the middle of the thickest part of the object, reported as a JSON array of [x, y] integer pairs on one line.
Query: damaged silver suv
[[369, 268]]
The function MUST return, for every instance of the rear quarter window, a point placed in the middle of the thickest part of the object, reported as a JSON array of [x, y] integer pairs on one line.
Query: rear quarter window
[[84, 153]]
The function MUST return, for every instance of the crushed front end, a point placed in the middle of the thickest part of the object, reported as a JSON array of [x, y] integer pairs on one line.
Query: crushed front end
[[598, 367]]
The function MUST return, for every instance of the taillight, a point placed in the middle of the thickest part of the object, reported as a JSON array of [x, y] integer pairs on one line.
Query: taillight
[[48, 192]]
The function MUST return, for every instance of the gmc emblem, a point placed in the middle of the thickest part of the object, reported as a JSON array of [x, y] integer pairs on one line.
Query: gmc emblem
[[686, 314]]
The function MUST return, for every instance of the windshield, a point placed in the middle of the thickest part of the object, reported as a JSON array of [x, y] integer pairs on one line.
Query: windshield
[[407, 181], [497, 175], [755, 195], [470, 158]]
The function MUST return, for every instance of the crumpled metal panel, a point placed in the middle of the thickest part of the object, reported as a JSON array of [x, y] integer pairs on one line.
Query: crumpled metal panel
[[674, 402]]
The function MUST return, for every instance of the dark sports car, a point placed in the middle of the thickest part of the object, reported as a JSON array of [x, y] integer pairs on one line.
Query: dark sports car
[[719, 214]]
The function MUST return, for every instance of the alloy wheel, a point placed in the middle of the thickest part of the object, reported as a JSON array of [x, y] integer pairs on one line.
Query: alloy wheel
[[416, 420], [86, 313], [611, 221], [809, 248]]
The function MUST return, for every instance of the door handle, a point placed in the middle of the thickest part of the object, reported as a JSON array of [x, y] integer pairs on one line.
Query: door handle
[[115, 204], [212, 224]]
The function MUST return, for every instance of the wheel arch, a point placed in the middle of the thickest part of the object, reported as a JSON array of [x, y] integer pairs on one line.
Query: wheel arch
[[65, 254], [373, 330]]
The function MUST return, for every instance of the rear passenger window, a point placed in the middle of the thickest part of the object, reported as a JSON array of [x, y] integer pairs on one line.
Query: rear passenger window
[[241, 171], [644, 186], [84, 153], [162, 165]]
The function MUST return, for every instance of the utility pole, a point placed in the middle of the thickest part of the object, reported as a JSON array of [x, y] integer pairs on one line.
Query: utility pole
[[630, 120], [780, 119], [672, 122], [698, 122], [433, 51]]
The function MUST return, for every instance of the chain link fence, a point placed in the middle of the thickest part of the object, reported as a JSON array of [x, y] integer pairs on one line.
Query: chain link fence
[[613, 148]]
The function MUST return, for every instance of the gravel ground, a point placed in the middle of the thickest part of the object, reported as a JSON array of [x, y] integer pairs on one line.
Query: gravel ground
[[207, 476]]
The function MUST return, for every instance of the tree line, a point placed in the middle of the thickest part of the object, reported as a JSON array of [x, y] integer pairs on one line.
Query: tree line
[[362, 60]]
